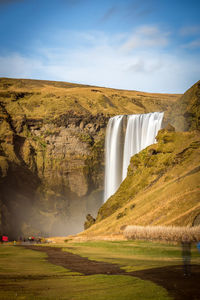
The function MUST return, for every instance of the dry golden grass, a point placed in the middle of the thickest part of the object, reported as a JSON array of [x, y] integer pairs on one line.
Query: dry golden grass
[[163, 233], [49, 99]]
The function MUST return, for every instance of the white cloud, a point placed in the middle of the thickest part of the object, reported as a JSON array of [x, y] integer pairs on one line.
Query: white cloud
[[192, 33], [190, 30], [146, 37], [148, 31], [104, 63], [192, 45], [16, 65], [144, 65]]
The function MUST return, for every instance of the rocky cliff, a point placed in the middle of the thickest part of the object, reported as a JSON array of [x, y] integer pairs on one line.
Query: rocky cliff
[[52, 151], [51, 173]]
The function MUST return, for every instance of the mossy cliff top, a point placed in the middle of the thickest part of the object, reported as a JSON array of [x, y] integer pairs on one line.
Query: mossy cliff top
[[47, 100], [162, 186]]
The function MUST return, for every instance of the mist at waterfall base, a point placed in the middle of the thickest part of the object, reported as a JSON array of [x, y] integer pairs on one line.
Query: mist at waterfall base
[[30, 215], [127, 135]]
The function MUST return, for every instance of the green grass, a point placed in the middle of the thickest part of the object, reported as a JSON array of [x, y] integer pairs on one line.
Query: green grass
[[133, 255], [25, 274]]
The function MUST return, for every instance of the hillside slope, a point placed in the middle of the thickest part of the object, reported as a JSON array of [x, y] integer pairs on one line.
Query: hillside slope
[[52, 151], [162, 187]]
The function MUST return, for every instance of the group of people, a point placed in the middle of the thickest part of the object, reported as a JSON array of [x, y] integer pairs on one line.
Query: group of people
[[31, 240]]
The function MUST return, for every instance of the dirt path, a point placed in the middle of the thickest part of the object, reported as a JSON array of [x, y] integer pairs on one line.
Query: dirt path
[[77, 263], [171, 277]]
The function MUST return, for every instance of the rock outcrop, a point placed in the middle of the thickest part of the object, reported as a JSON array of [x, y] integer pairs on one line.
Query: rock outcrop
[[185, 113], [89, 221]]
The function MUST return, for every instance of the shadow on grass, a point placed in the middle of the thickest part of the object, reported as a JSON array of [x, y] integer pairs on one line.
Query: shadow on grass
[[169, 277], [173, 280]]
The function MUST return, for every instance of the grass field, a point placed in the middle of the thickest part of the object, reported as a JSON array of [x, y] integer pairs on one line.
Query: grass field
[[25, 274], [133, 255]]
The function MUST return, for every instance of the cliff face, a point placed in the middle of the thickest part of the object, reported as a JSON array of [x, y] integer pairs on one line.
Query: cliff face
[[51, 173], [52, 152]]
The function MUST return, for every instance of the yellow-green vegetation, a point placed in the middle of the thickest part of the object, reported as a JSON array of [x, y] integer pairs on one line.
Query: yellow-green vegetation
[[25, 274], [185, 113], [132, 255], [47, 100], [162, 187]]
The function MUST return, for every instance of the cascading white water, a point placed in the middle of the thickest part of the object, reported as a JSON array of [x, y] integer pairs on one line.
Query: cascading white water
[[140, 132], [113, 155]]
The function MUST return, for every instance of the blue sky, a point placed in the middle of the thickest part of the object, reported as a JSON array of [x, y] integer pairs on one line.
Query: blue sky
[[149, 45]]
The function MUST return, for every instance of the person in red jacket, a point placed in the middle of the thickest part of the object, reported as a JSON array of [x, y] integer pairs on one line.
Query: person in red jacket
[[4, 238]]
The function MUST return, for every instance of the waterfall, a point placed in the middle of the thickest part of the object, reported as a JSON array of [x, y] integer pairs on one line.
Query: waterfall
[[113, 155], [126, 136]]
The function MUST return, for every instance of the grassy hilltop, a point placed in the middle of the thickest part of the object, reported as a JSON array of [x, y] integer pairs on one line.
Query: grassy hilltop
[[48, 99]]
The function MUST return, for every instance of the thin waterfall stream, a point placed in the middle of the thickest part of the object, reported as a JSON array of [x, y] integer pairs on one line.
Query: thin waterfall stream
[[127, 135]]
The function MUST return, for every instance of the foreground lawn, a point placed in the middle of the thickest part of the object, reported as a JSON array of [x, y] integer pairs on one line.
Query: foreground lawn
[[25, 274], [133, 255]]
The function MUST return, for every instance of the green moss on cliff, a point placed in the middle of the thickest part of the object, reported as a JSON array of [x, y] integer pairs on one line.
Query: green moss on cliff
[[95, 161]]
